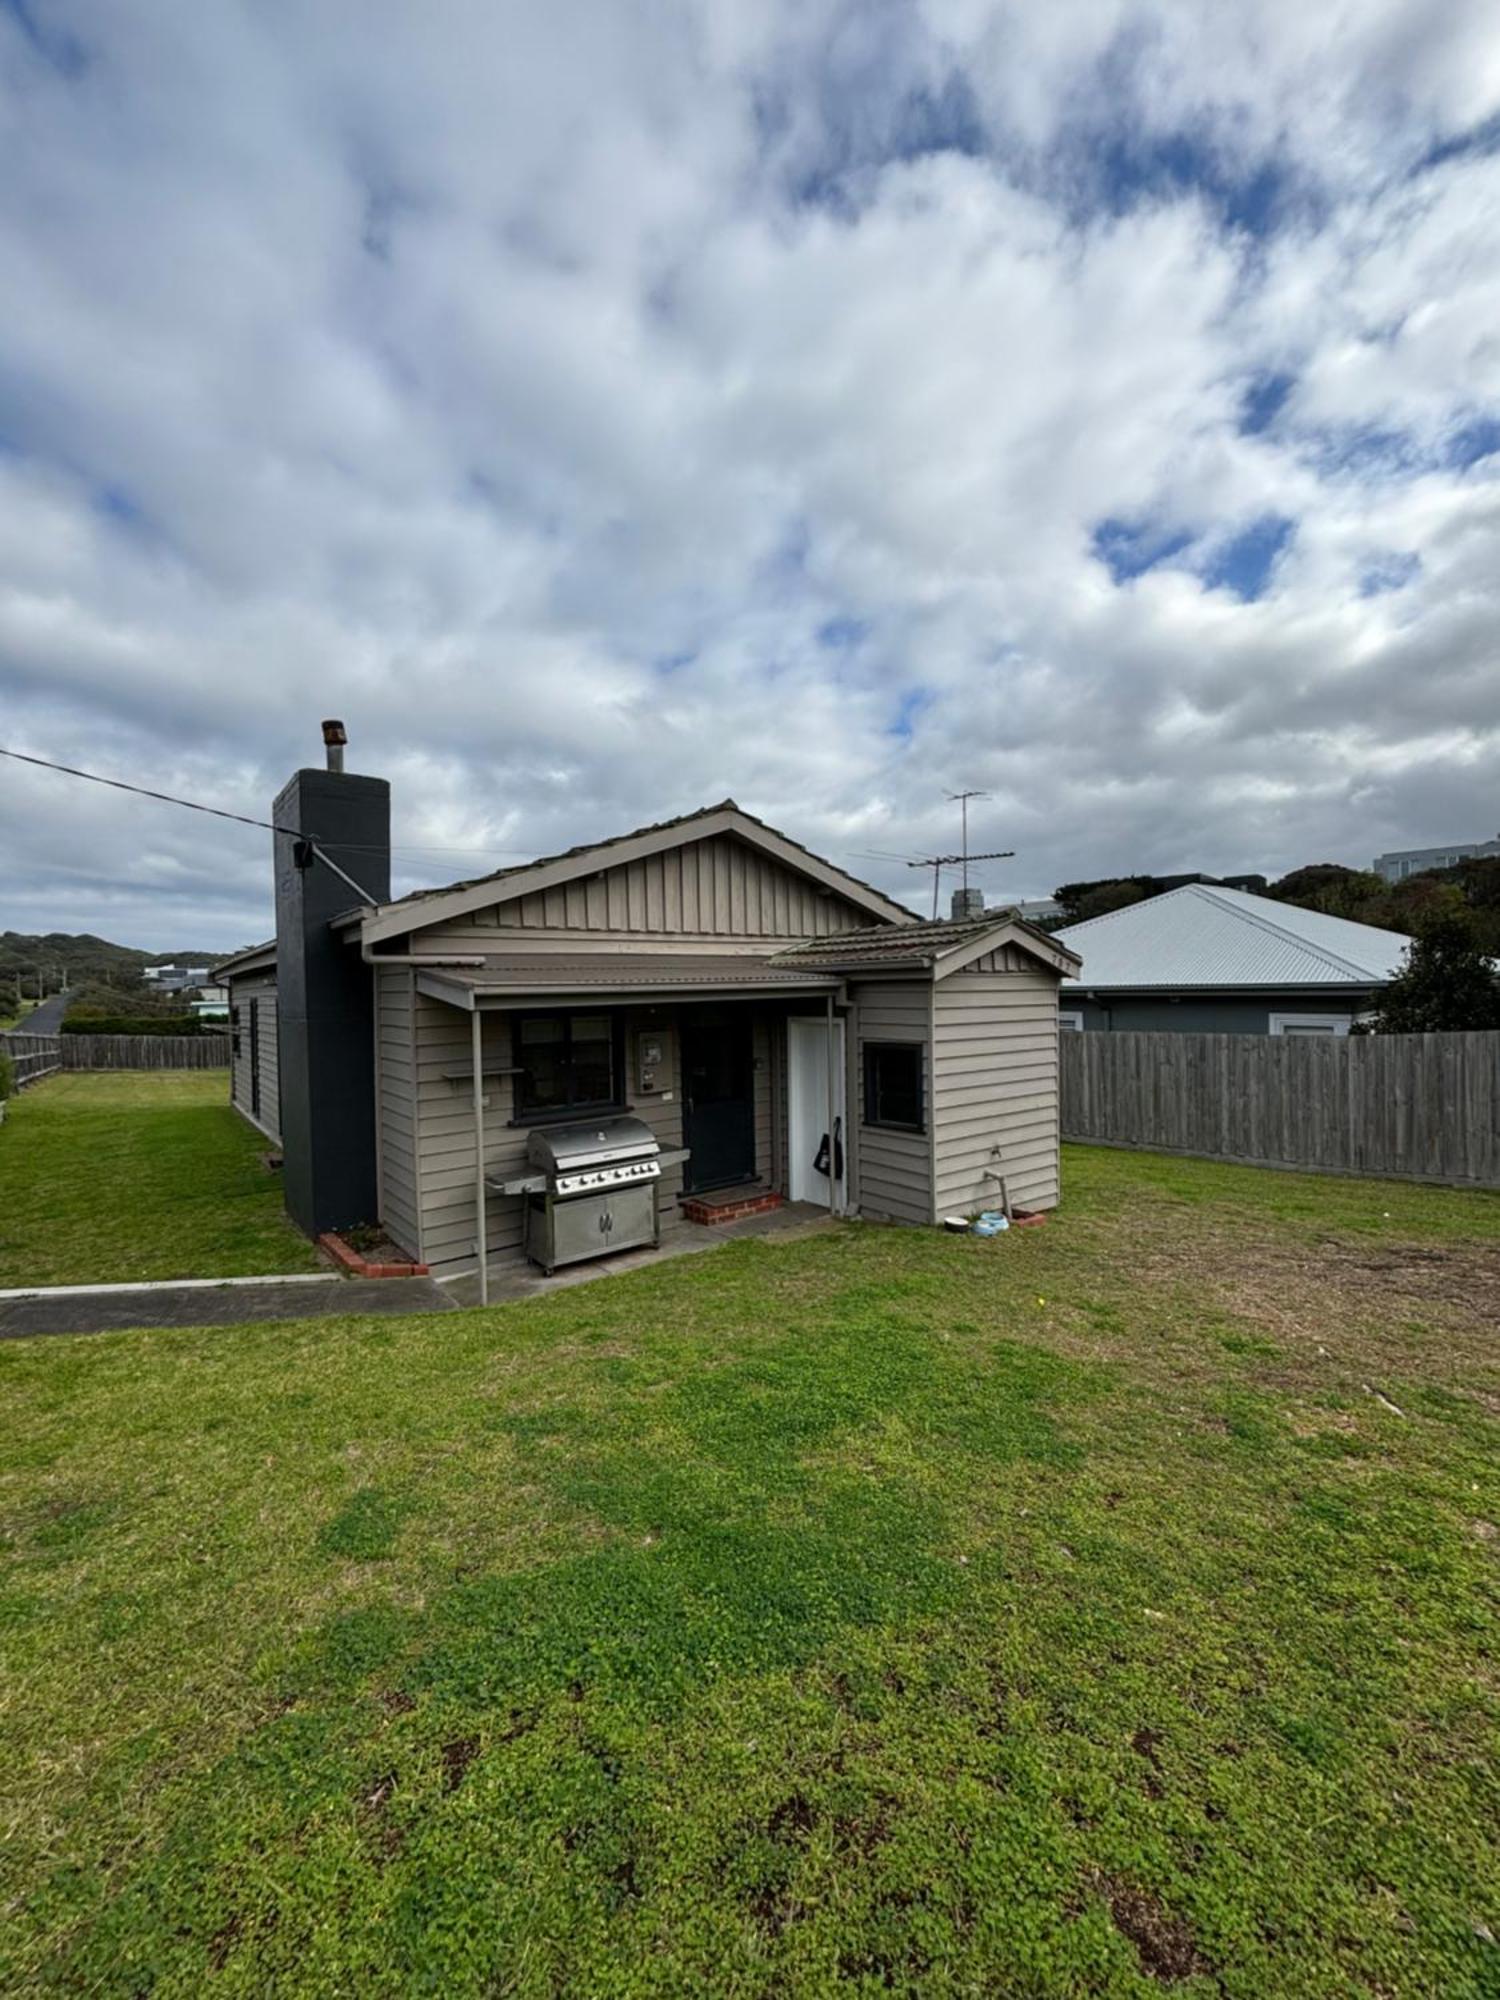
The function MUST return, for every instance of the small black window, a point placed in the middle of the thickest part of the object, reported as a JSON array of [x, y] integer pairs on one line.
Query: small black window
[[893, 1086], [567, 1062]]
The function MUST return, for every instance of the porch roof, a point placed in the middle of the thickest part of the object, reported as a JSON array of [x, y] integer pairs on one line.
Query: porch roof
[[617, 976]]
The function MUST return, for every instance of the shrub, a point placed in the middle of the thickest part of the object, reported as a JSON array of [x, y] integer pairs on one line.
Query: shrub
[[1447, 983]]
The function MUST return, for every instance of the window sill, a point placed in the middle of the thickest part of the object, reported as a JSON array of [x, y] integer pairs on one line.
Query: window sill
[[577, 1114], [909, 1131]]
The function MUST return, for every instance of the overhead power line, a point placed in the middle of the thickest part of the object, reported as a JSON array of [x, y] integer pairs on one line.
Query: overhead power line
[[194, 805], [143, 791], [346, 846], [220, 812]]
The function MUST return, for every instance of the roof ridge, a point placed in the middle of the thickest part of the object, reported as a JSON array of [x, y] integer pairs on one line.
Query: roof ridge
[[581, 848], [1125, 909], [1282, 931]]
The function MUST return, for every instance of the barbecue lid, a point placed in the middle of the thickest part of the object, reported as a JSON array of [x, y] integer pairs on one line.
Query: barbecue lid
[[597, 1142]]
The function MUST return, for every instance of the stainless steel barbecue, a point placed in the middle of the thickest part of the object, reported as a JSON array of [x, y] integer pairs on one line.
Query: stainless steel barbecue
[[593, 1189]]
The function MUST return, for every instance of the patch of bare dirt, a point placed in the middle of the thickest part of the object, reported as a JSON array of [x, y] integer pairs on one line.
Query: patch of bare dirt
[[1426, 1310], [457, 1757], [1164, 1944]]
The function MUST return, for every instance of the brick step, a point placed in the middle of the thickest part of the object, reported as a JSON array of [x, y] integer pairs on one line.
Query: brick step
[[730, 1206]]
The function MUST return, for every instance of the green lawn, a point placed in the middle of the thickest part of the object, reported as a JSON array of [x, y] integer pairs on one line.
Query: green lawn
[[1064, 1614], [137, 1174]]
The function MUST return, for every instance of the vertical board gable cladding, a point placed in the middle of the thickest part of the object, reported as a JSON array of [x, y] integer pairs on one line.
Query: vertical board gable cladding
[[995, 1066], [716, 887]]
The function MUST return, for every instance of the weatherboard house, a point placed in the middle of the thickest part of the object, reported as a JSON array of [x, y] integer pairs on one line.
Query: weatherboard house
[[1206, 959], [782, 1029]]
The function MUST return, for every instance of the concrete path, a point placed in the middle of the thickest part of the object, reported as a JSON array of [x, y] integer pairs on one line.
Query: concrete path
[[226, 1305], [524, 1281]]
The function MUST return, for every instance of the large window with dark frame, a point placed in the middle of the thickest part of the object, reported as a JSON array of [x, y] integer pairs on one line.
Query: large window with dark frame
[[567, 1063], [893, 1086]]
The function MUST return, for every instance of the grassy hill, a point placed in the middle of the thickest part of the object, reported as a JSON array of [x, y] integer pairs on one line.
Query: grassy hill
[[84, 959]]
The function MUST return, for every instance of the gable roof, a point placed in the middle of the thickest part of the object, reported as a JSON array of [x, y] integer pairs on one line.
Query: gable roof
[[431, 906], [1209, 937], [941, 947], [254, 958]]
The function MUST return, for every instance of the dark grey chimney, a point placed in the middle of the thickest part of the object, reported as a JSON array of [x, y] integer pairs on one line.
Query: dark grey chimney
[[325, 1017], [967, 903]]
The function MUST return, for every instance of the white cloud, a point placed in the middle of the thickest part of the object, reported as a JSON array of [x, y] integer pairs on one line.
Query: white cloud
[[608, 408]]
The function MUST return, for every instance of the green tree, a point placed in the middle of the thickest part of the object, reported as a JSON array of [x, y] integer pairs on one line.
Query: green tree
[[1446, 983], [1081, 900]]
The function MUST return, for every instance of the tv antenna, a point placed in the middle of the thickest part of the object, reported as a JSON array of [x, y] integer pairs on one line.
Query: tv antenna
[[938, 862]]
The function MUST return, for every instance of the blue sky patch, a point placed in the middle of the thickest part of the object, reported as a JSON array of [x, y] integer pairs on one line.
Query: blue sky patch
[[1479, 438], [56, 47], [1131, 167], [1262, 401], [1129, 548], [1244, 563]]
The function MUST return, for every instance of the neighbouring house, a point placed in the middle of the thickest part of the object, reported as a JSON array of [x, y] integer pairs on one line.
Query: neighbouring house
[[1207, 959], [210, 1003], [175, 978], [801, 1035], [1407, 861]]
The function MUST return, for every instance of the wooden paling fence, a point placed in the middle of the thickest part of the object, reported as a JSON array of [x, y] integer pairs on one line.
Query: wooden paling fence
[[1415, 1107], [145, 1051], [34, 1056]]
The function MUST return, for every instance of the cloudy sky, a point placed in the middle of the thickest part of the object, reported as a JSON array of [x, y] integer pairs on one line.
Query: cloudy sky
[[613, 405]]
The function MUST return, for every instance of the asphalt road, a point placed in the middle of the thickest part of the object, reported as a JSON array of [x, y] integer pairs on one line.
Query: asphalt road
[[46, 1019]]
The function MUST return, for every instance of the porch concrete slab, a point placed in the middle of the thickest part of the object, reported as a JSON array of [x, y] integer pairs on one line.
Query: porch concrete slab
[[231, 1305], [524, 1281]]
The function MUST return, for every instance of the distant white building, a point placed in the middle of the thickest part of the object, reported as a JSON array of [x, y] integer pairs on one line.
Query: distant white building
[[175, 978], [1417, 860]]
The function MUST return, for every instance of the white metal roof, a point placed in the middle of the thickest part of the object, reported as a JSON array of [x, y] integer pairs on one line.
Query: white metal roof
[[1201, 936]]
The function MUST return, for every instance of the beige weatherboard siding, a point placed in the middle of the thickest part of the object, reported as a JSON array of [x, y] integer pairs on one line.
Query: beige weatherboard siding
[[396, 1105], [446, 1233], [893, 1170], [995, 1092], [711, 914], [261, 989]]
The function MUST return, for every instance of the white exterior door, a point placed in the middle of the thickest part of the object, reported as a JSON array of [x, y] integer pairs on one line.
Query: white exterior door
[[807, 1109]]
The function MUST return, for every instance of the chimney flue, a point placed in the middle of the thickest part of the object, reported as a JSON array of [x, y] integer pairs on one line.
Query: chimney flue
[[335, 736]]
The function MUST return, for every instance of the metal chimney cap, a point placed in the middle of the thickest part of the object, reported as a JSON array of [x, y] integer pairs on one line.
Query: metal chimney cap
[[334, 731]]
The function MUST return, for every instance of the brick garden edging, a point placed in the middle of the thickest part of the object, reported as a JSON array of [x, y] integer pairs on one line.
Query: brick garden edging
[[360, 1267]]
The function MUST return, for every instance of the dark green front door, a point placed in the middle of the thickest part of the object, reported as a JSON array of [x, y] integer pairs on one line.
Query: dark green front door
[[718, 1100]]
